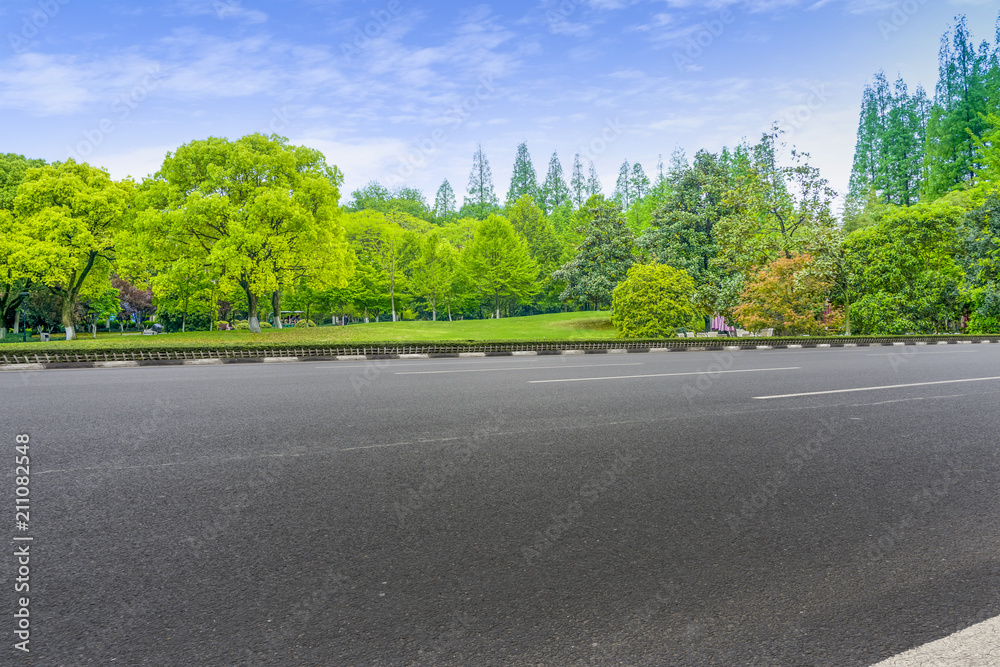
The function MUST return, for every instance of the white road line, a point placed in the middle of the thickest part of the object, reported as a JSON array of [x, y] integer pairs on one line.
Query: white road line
[[514, 368], [976, 646], [887, 386], [663, 375], [896, 354]]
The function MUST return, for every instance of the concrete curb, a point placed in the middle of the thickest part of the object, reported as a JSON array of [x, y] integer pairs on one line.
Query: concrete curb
[[215, 361]]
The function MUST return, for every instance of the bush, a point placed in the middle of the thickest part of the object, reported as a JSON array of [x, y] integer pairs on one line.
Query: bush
[[979, 324], [242, 325], [652, 301], [301, 324], [147, 324], [265, 325]]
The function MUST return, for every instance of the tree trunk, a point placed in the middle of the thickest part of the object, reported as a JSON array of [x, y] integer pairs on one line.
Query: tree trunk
[[252, 302], [67, 316], [434, 311], [3, 331], [93, 328], [449, 311], [392, 296], [17, 322], [847, 317], [276, 308]]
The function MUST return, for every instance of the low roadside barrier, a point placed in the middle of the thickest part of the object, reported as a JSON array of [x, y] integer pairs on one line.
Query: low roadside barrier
[[395, 350]]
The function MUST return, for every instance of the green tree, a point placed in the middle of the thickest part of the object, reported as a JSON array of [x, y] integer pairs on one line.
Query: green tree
[[444, 202], [255, 212], [979, 256], [499, 263], [578, 183], [530, 222], [523, 180], [603, 258], [682, 229], [74, 214], [773, 208], [480, 192], [639, 182], [652, 302], [434, 270], [554, 191], [624, 194], [370, 288], [961, 100], [16, 259], [384, 243], [903, 272], [593, 182], [376, 197]]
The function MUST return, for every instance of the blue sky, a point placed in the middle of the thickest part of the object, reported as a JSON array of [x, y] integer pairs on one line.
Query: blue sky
[[401, 91]]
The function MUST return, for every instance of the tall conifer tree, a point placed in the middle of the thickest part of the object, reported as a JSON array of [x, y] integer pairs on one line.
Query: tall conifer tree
[[523, 180], [554, 191]]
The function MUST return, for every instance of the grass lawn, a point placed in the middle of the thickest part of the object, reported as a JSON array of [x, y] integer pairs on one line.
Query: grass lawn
[[588, 325]]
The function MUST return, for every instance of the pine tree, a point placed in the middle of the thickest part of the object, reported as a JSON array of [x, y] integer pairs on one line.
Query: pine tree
[[444, 201], [522, 180], [867, 151], [903, 148], [639, 182], [554, 190], [624, 195], [960, 101], [578, 184], [888, 155], [593, 182], [480, 190]]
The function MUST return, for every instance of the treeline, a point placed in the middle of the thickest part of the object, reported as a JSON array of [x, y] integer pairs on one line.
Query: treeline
[[255, 227], [911, 147]]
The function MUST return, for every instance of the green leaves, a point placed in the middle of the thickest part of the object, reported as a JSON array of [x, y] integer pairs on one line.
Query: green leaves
[[902, 270], [73, 215], [602, 259], [653, 301], [255, 212], [499, 264]]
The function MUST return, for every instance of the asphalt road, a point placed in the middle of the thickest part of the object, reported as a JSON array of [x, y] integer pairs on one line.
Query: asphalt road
[[508, 511]]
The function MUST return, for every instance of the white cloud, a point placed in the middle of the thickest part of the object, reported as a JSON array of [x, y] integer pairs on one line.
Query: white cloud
[[50, 85], [222, 9]]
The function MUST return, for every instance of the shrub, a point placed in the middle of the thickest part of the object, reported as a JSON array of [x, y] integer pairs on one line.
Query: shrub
[[652, 301], [301, 324], [979, 324], [265, 325], [242, 325], [147, 324]]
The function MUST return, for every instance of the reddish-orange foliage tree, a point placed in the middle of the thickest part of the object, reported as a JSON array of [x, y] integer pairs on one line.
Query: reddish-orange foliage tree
[[787, 296]]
